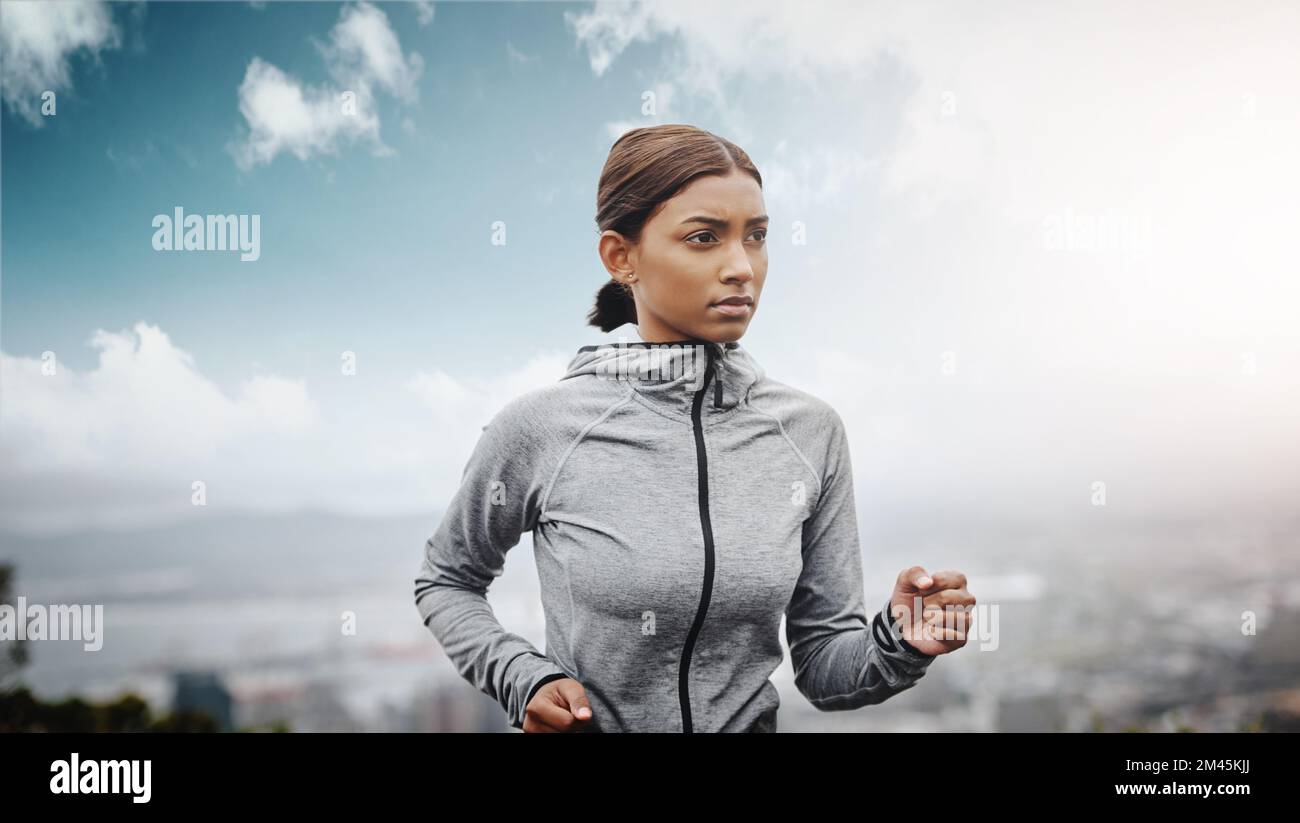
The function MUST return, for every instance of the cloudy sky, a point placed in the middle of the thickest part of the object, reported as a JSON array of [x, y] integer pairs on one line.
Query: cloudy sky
[[1047, 245]]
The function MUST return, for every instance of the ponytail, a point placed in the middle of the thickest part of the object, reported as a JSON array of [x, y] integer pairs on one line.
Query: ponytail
[[614, 307]]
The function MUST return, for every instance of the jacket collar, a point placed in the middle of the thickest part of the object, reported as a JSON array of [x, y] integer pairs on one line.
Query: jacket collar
[[670, 374]]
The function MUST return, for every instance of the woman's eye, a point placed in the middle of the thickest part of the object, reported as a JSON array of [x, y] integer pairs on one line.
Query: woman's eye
[[712, 238]]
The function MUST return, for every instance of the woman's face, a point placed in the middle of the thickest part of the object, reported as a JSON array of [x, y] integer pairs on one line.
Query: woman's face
[[704, 245]]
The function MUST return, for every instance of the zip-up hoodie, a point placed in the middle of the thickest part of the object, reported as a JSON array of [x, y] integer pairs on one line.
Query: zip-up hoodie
[[681, 502]]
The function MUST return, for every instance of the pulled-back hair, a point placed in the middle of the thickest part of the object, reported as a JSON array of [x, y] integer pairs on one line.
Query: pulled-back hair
[[645, 167]]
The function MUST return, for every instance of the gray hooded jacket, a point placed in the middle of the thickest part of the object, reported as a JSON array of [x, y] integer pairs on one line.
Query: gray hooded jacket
[[681, 502]]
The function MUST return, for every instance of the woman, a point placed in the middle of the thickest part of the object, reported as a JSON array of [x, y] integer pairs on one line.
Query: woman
[[680, 500]]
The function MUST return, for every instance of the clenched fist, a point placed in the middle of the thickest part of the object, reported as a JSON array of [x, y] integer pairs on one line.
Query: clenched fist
[[934, 612], [559, 706]]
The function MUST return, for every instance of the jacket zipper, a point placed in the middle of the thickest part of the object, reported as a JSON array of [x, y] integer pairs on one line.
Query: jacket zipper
[[702, 465]]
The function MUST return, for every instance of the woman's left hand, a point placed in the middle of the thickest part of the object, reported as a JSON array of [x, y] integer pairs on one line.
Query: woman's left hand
[[935, 612]]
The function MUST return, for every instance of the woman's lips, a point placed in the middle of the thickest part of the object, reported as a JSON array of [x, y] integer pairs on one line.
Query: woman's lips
[[732, 309]]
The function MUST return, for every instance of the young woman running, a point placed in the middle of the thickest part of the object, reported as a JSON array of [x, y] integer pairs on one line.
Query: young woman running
[[681, 502]]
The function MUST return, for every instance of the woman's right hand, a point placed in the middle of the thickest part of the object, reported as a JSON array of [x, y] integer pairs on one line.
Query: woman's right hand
[[559, 706]]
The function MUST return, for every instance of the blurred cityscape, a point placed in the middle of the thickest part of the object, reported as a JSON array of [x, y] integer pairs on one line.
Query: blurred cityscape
[[307, 622]]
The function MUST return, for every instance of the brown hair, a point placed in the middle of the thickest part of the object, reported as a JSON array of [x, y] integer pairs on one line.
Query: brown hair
[[647, 166]]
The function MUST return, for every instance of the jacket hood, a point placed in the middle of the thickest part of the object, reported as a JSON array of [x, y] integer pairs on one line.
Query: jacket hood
[[671, 373]]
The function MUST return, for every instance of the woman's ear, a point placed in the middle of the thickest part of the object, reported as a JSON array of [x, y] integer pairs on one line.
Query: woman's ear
[[617, 254]]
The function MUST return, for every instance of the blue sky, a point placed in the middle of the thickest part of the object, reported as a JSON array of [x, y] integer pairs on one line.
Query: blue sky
[[386, 252], [389, 250], [950, 171]]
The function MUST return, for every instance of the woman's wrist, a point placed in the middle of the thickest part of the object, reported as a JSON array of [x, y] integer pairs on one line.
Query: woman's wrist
[[892, 629]]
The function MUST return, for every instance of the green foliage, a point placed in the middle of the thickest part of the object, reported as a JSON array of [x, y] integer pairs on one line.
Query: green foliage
[[22, 711], [1254, 725], [277, 727], [13, 653]]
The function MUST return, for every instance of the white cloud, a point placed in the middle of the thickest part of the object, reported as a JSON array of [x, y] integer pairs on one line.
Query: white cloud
[[424, 12], [121, 444], [661, 110], [609, 28], [145, 407], [708, 43], [364, 52], [1169, 89], [1184, 121], [452, 399], [948, 159], [517, 56], [796, 182], [39, 40], [283, 114], [1018, 448]]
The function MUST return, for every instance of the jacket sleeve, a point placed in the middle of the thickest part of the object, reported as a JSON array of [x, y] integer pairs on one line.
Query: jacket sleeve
[[496, 502], [842, 661]]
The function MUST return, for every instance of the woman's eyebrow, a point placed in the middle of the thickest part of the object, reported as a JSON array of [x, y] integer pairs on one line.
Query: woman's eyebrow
[[722, 224]]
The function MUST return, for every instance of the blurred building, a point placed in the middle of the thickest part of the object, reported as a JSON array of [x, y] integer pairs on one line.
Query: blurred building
[[203, 691]]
